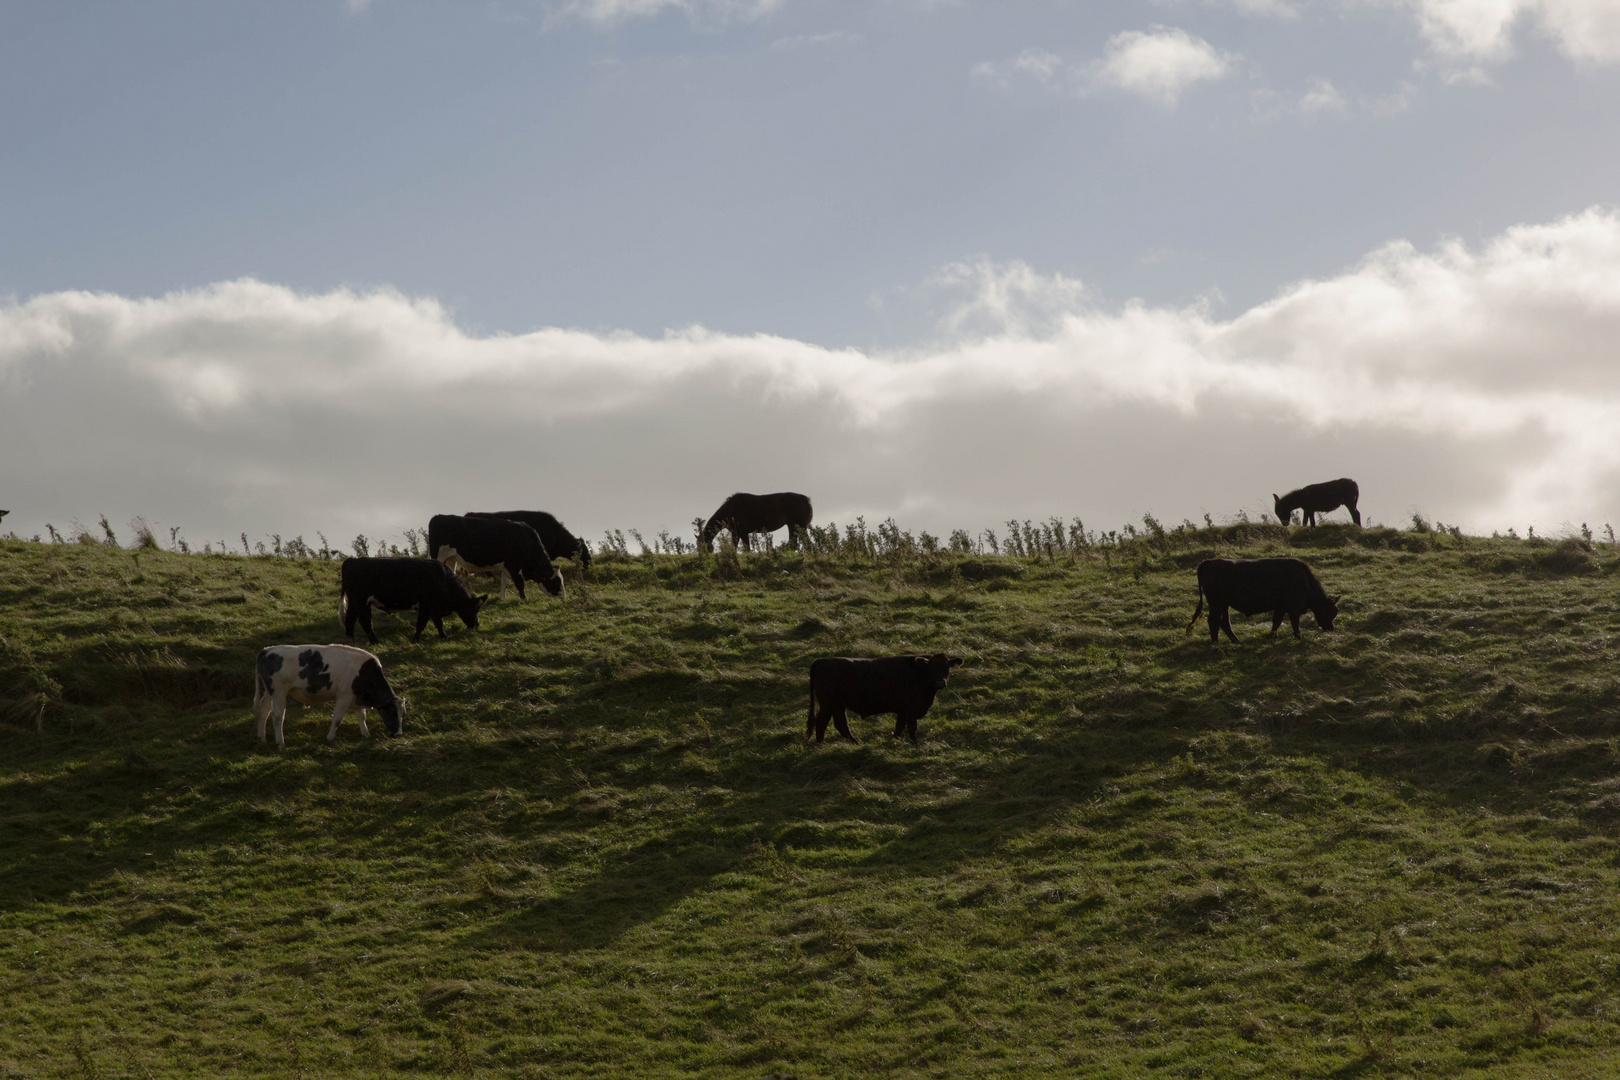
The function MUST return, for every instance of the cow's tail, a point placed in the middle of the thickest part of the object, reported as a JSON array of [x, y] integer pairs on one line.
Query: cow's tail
[[1197, 611], [810, 720], [261, 693]]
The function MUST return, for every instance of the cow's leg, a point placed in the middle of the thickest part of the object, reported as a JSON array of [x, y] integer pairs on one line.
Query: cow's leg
[[821, 721], [899, 724], [1310, 518], [365, 732], [1355, 515], [911, 729], [341, 707], [1217, 615], [501, 574], [1276, 620], [278, 712], [421, 622], [365, 624], [841, 722], [1293, 618], [438, 621], [1226, 623], [262, 707]]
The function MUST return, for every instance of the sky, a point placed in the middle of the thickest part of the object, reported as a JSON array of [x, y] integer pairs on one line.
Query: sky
[[337, 266]]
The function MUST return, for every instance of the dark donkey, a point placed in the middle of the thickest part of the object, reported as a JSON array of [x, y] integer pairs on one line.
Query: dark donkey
[[1313, 499], [743, 515]]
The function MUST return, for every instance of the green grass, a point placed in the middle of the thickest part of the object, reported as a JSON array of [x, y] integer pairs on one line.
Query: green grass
[[601, 846]]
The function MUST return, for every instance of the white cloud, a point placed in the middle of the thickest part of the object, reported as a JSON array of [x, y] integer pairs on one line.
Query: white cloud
[[1159, 65], [1320, 98], [1466, 31], [1479, 385]]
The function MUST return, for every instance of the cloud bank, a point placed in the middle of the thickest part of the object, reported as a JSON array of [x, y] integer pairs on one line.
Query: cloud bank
[[1480, 386], [1482, 30]]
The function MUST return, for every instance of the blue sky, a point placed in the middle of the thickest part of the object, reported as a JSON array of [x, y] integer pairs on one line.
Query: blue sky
[[884, 177]]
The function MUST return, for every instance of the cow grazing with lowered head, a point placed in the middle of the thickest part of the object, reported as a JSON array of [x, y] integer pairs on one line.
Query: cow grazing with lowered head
[[508, 549], [558, 541], [1251, 586], [427, 585], [742, 515], [903, 685], [315, 674], [1313, 499]]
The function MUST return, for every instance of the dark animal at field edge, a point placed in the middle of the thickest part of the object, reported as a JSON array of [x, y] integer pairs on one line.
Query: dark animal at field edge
[[349, 677], [558, 541], [1251, 586], [392, 585], [509, 549], [903, 685], [1313, 499], [743, 515]]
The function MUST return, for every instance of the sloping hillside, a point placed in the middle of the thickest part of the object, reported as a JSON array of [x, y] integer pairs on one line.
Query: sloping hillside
[[601, 847]]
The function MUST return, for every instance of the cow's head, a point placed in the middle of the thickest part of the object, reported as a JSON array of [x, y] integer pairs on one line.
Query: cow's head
[[937, 668], [554, 583], [467, 606], [1284, 517], [393, 715], [1325, 615]]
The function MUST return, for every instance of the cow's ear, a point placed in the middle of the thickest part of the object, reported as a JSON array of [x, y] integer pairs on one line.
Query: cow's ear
[[482, 598], [1334, 600], [920, 661], [956, 661]]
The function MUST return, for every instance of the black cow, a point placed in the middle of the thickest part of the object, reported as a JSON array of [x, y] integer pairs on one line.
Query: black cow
[[1313, 499], [427, 585], [743, 515], [1280, 586], [508, 549], [903, 685], [558, 541]]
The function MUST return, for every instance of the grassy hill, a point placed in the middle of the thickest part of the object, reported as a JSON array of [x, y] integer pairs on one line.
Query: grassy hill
[[601, 847]]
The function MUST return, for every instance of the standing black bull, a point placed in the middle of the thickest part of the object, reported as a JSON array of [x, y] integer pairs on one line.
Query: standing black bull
[[903, 685], [1280, 586], [510, 550], [743, 515], [427, 585], [558, 541], [1313, 499]]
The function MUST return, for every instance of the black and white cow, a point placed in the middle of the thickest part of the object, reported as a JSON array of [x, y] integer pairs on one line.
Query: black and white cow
[[427, 585], [508, 549], [316, 674], [903, 685], [557, 540]]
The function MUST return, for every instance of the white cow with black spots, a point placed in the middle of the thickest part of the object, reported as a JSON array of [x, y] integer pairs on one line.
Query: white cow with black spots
[[351, 678]]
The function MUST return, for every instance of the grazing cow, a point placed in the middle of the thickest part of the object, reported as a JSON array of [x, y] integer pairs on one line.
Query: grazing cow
[[314, 674], [903, 685], [1313, 499], [558, 541], [508, 549], [743, 515], [427, 585], [1280, 586]]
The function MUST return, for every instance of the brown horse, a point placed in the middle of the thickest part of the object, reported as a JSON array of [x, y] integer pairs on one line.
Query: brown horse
[[743, 515]]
